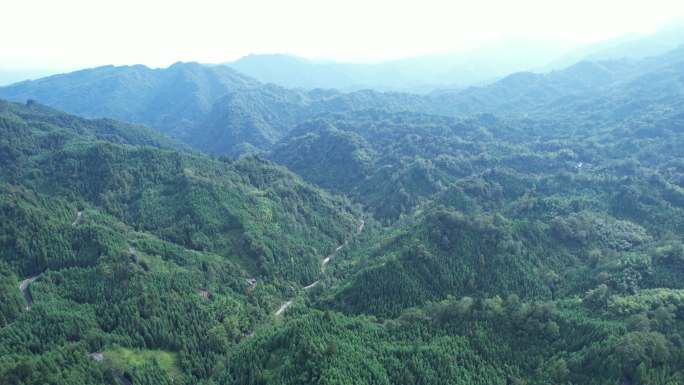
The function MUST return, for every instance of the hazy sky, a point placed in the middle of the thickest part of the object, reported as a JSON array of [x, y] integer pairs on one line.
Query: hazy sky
[[78, 33]]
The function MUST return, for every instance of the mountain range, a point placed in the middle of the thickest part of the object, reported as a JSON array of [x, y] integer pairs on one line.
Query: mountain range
[[220, 111], [194, 225], [417, 74]]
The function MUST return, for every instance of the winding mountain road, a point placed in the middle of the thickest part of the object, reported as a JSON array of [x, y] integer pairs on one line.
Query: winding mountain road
[[78, 218], [324, 262], [24, 288], [283, 307], [24, 285]]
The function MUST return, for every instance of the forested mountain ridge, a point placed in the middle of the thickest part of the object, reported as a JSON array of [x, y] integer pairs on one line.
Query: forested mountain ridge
[[478, 66], [139, 248], [70, 127], [569, 200], [219, 111], [135, 183], [253, 120], [543, 124], [587, 88], [214, 108], [549, 196], [170, 100], [528, 232]]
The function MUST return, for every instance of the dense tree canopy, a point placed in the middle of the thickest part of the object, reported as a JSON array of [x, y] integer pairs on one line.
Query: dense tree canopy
[[526, 232]]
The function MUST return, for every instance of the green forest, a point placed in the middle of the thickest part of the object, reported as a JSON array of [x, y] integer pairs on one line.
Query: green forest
[[527, 232]]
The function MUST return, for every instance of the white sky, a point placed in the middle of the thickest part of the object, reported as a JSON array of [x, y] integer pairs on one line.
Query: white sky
[[78, 33]]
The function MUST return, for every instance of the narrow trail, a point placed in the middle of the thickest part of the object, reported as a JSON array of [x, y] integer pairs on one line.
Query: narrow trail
[[324, 262], [283, 307], [24, 285], [24, 288]]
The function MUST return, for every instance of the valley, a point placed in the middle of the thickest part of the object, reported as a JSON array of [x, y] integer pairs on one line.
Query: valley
[[194, 225]]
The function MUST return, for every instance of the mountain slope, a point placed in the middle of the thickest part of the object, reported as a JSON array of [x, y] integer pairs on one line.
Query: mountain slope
[[218, 111], [171, 100], [538, 245], [213, 108], [142, 251], [135, 183], [585, 89]]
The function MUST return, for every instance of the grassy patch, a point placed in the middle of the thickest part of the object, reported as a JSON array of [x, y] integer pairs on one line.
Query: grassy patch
[[124, 358]]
